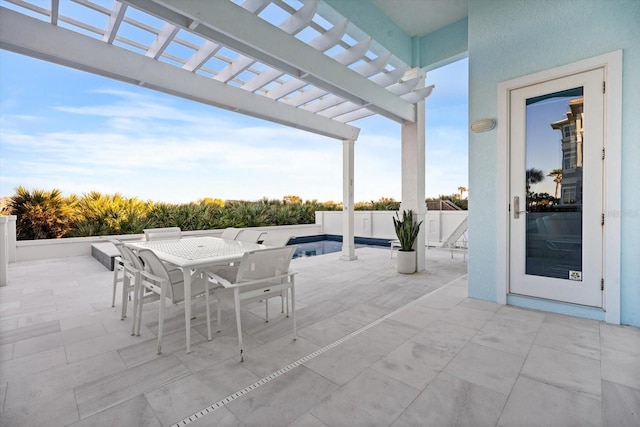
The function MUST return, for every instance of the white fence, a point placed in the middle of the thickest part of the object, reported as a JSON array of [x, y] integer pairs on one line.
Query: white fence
[[379, 224]]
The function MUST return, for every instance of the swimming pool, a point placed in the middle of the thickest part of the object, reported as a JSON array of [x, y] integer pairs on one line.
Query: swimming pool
[[327, 243]]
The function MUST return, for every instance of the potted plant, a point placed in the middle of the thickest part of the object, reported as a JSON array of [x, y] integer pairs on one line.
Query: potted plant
[[407, 231]]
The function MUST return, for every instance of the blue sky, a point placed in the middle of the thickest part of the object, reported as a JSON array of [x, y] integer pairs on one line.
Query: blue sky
[[77, 132]]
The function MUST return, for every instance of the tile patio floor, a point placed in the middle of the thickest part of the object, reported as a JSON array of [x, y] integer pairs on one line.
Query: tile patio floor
[[422, 354]]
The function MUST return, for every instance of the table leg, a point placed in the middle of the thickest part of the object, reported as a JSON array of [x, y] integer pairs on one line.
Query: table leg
[[187, 306]]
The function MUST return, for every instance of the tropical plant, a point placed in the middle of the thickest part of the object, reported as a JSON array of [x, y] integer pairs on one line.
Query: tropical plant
[[41, 214], [556, 174], [406, 229]]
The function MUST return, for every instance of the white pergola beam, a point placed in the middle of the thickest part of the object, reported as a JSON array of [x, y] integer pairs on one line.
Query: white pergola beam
[[240, 30], [32, 37], [115, 19]]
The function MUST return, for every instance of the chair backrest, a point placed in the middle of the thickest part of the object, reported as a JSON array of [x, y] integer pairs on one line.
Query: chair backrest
[[230, 233], [167, 233], [265, 263], [276, 241], [250, 235], [154, 266], [129, 256]]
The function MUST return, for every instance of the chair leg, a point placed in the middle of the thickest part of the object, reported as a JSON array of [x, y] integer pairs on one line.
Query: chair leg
[[219, 313], [139, 290], [126, 282], [206, 297], [238, 322], [293, 307], [163, 293], [116, 268], [266, 307]]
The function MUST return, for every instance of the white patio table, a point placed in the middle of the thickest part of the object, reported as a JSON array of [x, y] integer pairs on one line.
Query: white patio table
[[192, 255]]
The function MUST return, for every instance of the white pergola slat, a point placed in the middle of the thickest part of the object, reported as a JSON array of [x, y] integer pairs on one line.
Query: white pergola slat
[[244, 32], [29, 36]]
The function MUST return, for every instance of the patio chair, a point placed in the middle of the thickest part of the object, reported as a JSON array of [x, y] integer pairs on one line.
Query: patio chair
[[250, 235], [230, 233], [169, 286], [118, 269], [276, 241], [262, 274], [133, 268], [167, 233]]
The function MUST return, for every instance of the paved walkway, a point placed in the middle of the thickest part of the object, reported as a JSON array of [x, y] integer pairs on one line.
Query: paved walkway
[[375, 348]]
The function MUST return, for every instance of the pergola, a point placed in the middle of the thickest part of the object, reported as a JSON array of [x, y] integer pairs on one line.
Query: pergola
[[297, 63]]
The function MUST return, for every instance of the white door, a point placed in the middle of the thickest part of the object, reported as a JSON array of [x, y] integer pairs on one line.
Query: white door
[[556, 184]]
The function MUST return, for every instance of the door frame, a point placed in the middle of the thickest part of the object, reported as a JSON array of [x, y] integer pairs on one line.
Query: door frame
[[612, 65]]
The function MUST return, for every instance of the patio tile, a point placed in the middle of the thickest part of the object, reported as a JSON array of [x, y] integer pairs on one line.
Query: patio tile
[[3, 394], [44, 385], [445, 337], [39, 362], [58, 410], [566, 370], [6, 352], [468, 317], [111, 390], [622, 338], [307, 420], [621, 405], [277, 354], [486, 367], [26, 332], [478, 304], [134, 412], [371, 398], [221, 417], [146, 348], [282, 400], [506, 331], [580, 340], [536, 404], [417, 316], [621, 367], [331, 329], [450, 401], [342, 363], [109, 342]]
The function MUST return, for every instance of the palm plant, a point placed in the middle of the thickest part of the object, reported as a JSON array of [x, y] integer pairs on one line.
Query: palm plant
[[41, 214], [406, 229]]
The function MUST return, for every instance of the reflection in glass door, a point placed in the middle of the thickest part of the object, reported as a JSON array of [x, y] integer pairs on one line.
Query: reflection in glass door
[[554, 185], [556, 170]]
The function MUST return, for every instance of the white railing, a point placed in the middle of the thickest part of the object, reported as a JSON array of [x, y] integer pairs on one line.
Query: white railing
[[379, 224]]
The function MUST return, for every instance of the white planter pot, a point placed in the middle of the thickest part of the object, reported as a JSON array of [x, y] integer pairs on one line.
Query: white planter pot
[[406, 262]]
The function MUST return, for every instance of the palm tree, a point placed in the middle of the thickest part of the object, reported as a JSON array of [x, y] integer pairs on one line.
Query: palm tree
[[534, 176], [41, 214], [556, 174], [462, 190]]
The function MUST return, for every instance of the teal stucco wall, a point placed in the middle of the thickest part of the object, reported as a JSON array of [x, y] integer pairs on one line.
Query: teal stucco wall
[[509, 39]]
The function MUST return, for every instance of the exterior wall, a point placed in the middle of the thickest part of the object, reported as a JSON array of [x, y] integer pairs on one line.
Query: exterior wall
[[30, 250], [520, 37]]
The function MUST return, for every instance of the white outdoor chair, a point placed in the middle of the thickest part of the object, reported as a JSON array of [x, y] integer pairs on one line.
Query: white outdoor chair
[[133, 275], [276, 241], [250, 235], [169, 286], [230, 233], [262, 274], [118, 270], [167, 233]]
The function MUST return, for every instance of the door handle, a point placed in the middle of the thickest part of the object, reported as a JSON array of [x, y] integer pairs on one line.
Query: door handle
[[516, 208]]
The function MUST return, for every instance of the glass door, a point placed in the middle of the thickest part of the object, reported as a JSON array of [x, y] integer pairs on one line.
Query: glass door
[[556, 186]]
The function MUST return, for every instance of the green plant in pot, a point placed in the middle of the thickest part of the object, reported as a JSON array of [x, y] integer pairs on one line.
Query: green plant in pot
[[407, 232]]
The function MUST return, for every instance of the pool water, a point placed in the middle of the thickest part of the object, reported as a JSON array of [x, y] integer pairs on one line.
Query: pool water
[[317, 248]]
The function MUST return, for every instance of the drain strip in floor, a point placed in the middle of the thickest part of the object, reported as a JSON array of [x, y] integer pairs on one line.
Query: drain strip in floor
[[301, 361]]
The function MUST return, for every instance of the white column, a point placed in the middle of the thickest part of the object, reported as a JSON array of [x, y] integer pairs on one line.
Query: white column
[[11, 229], [413, 176], [4, 250], [348, 218]]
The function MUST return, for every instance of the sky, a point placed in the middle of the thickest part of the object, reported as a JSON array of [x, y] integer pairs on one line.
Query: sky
[[77, 132]]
